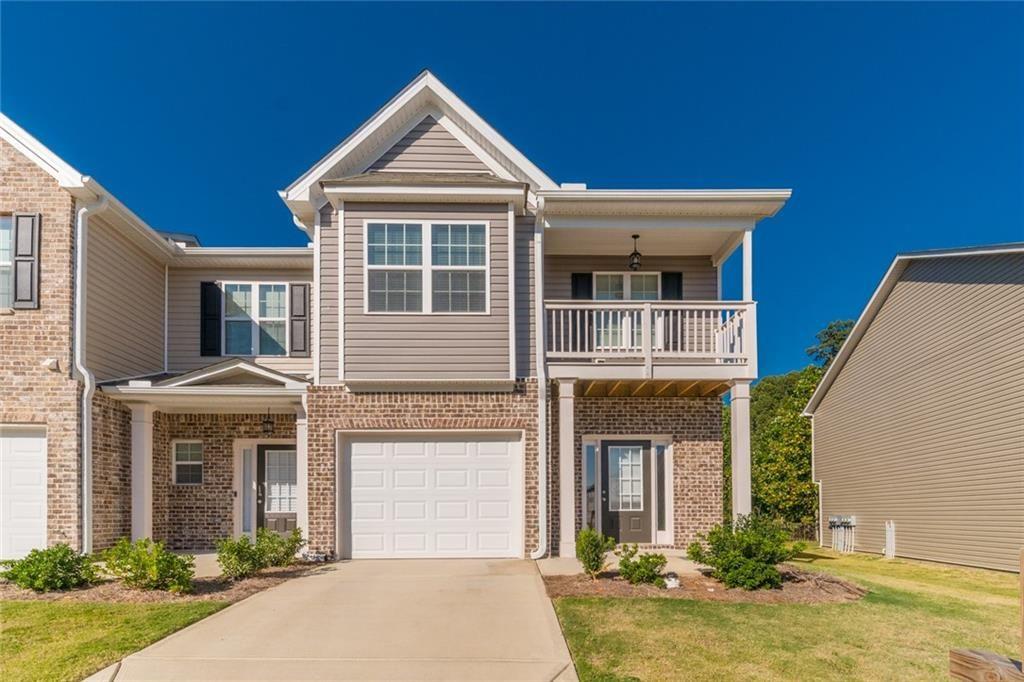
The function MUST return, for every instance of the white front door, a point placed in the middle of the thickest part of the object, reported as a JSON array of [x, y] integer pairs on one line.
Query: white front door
[[22, 491], [443, 496]]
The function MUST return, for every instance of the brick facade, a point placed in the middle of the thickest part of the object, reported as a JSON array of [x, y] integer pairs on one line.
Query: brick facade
[[111, 471], [30, 393], [695, 426], [195, 517], [332, 409]]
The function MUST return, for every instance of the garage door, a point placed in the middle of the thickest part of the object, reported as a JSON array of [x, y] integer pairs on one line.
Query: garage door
[[444, 496], [22, 491]]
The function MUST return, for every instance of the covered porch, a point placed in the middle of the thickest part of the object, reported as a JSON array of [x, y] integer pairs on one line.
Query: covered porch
[[216, 453]]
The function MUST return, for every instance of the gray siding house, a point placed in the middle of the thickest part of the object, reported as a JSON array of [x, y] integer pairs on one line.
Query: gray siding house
[[920, 419]]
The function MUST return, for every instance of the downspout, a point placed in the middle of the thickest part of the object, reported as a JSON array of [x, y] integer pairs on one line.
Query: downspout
[[542, 384], [81, 235]]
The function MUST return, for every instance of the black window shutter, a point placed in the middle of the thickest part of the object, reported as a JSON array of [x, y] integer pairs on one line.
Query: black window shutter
[[209, 318], [672, 286], [299, 320], [26, 245], [582, 286]]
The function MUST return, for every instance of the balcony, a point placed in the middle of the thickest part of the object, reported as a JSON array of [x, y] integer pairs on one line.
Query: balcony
[[666, 340]]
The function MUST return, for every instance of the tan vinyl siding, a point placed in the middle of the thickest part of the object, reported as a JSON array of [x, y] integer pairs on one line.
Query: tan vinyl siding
[[526, 353], [183, 321], [383, 346], [328, 313], [924, 425], [700, 278], [429, 147], [124, 306]]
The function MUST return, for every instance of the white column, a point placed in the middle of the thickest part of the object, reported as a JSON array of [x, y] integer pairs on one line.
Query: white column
[[302, 469], [748, 265], [566, 468], [740, 421], [142, 471]]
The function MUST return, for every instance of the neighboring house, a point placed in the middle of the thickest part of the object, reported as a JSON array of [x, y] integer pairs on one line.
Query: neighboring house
[[920, 419], [467, 360]]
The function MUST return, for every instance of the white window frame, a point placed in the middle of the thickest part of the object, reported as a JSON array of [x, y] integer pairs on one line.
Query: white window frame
[[9, 263], [628, 332], [626, 285], [618, 503], [174, 461], [427, 267], [256, 319]]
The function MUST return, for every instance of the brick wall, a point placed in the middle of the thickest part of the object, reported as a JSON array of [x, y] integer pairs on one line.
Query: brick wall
[[194, 517], [331, 409], [30, 393], [695, 425], [111, 471]]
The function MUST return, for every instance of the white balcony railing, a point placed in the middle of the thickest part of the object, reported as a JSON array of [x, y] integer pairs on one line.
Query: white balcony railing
[[717, 332]]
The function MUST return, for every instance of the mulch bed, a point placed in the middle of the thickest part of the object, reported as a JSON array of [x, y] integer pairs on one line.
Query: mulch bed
[[798, 587], [204, 589]]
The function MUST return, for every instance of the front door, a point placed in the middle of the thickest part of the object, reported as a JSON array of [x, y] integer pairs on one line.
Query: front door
[[626, 490], [276, 488]]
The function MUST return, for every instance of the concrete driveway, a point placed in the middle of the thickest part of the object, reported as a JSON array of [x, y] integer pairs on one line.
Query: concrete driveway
[[375, 620]]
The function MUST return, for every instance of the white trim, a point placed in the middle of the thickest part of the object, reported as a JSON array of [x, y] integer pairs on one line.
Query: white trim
[[540, 342], [238, 445], [142, 471], [255, 321], [341, 291], [427, 266], [166, 313], [174, 460], [200, 375], [314, 311], [667, 194], [748, 265], [511, 291], [627, 275]]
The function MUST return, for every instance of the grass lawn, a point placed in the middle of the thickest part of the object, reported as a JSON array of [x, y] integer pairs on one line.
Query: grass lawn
[[49, 640], [902, 630]]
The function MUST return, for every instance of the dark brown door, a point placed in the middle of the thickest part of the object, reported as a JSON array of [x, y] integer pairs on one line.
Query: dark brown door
[[626, 490], [276, 488]]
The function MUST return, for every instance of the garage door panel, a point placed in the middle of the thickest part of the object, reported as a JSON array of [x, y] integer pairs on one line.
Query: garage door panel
[[22, 491], [462, 497]]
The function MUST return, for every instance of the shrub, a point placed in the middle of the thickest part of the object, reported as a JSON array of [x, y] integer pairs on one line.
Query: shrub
[[278, 550], [745, 553], [238, 558], [55, 568], [645, 568], [149, 565], [591, 550]]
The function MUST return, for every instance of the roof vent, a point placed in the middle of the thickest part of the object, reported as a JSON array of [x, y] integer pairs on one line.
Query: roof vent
[[573, 185]]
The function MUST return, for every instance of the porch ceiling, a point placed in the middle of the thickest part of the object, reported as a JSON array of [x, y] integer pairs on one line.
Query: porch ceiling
[[654, 241], [646, 388]]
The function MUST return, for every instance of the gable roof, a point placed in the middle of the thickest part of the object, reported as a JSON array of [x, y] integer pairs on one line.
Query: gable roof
[[425, 96], [228, 369], [885, 287]]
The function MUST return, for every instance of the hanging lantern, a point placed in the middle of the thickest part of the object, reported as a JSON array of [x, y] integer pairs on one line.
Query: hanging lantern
[[268, 424], [634, 258]]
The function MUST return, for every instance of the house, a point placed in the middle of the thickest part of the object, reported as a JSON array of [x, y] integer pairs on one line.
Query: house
[[918, 424], [468, 359]]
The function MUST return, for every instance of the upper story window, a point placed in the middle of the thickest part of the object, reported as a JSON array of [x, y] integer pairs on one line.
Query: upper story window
[[426, 267], [255, 318], [6, 261], [633, 286]]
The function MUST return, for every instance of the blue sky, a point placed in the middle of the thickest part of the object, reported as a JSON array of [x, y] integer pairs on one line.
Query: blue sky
[[898, 126]]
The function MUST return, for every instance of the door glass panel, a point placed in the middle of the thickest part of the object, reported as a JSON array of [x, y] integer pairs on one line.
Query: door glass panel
[[625, 478], [247, 490], [280, 478], [590, 485], [659, 459]]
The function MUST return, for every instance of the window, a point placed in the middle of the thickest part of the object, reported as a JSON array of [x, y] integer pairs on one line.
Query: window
[[255, 326], [426, 267], [188, 463], [6, 261], [623, 329], [659, 465], [625, 478], [281, 477], [590, 485]]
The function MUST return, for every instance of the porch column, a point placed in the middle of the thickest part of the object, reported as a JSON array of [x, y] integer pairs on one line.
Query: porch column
[[566, 468], [302, 469], [142, 471], [748, 265], [740, 421]]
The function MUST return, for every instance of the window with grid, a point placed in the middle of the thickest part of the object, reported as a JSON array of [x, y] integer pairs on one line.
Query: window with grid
[[255, 326], [188, 463], [626, 478], [459, 264], [281, 481], [6, 261], [394, 263]]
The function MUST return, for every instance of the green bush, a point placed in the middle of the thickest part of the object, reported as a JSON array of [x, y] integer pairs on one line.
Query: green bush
[[278, 550], [645, 568], [56, 568], [591, 550], [149, 565], [238, 558], [746, 553]]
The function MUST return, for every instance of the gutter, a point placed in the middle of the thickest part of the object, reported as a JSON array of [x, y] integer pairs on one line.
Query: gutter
[[81, 235], [542, 385]]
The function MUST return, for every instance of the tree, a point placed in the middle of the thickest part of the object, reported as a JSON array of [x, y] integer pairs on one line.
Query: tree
[[830, 340]]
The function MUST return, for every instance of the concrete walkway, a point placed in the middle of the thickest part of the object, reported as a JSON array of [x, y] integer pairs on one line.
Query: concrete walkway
[[677, 563], [375, 620]]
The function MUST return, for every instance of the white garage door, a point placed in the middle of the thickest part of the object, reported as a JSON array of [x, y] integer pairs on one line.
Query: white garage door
[[22, 491], [445, 496]]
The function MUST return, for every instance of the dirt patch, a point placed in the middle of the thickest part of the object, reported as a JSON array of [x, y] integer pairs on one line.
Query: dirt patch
[[204, 589], [798, 587]]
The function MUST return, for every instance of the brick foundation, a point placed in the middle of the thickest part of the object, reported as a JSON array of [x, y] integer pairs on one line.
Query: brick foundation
[[332, 409]]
